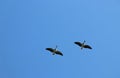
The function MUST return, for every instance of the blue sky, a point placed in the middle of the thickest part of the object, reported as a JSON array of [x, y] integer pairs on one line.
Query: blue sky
[[29, 26]]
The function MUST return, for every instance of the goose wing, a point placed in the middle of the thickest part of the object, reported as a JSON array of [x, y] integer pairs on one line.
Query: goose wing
[[59, 53], [87, 46], [50, 49], [78, 43]]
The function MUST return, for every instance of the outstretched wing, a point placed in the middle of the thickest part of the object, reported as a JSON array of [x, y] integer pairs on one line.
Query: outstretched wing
[[78, 43], [59, 53], [50, 49], [87, 46]]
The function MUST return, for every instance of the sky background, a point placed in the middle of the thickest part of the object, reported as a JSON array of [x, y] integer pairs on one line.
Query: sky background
[[27, 27]]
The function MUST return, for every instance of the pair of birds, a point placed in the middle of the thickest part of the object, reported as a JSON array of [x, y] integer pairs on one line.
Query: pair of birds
[[82, 45]]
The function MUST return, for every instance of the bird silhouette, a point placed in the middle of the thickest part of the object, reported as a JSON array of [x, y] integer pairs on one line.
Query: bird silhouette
[[82, 45], [54, 51]]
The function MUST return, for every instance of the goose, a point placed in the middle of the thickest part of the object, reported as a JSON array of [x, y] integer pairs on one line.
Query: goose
[[54, 51], [82, 45]]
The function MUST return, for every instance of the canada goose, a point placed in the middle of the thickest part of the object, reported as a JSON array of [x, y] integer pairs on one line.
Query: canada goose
[[54, 51], [82, 45]]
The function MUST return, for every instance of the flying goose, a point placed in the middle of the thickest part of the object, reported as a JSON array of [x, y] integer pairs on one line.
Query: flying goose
[[82, 45], [54, 51]]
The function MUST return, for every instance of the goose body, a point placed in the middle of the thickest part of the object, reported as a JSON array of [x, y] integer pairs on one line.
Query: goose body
[[83, 45]]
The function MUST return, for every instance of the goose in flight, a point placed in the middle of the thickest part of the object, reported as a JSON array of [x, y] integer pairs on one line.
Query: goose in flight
[[82, 45], [54, 51]]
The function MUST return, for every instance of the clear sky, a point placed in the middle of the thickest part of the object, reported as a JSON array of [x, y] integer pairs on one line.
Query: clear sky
[[27, 27]]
